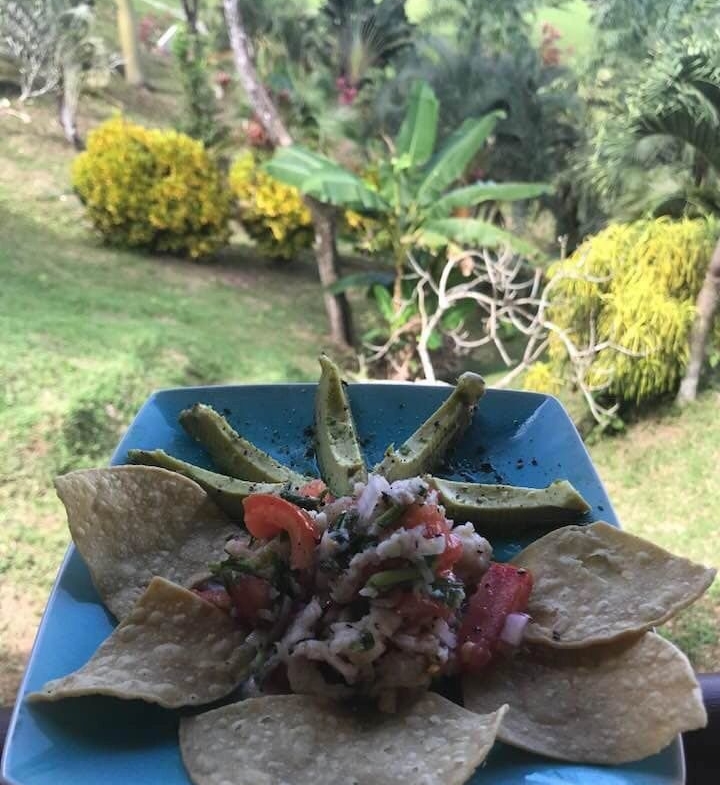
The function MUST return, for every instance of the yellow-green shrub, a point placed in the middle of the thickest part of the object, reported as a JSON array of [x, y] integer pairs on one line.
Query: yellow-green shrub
[[645, 279], [152, 188], [272, 213], [540, 377]]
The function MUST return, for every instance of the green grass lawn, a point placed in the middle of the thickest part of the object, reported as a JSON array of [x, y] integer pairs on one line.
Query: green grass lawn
[[662, 477], [88, 332]]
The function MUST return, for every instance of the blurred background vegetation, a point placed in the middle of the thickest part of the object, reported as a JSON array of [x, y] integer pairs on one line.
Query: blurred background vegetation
[[527, 188]]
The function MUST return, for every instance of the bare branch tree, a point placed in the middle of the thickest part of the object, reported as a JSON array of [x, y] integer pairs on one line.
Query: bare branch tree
[[504, 292], [50, 43]]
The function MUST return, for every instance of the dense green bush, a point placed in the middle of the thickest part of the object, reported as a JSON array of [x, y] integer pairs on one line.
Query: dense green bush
[[637, 283], [152, 188], [272, 213]]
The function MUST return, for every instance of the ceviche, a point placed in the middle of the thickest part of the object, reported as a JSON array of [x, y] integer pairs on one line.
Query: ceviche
[[366, 594]]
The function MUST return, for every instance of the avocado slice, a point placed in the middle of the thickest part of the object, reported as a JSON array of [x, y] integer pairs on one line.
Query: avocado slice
[[227, 492], [426, 447], [231, 453], [498, 505], [336, 443]]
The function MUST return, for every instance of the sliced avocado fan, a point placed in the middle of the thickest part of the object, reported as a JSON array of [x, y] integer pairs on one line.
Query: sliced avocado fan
[[232, 453], [497, 506], [227, 492], [336, 442], [427, 446]]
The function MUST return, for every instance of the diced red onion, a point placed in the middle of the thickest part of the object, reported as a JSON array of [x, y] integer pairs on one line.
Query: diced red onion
[[514, 628]]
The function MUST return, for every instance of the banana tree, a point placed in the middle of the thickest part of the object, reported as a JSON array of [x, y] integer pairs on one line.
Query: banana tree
[[416, 201]]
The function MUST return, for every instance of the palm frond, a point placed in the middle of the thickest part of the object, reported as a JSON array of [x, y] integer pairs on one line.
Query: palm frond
[[702, 134], [670, 120]]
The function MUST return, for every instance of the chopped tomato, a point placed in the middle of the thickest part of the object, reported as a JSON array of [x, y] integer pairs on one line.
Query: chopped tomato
[[432, 518], [418, 608], [451, 555], [503, 589], [217, 597], [266, 515], [314, 489], [428, 515], [250, 595]]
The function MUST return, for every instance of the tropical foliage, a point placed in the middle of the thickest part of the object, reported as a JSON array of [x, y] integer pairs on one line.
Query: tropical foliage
[[494, 27], [538, 126], [418, 196], [663, 152], [152, 189], [363, 36], [416, 201], [631, 129], [631, 286]]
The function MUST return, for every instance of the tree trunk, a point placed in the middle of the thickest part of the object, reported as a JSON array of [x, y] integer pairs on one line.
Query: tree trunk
[[257, 95], [127, 31], [71, 82], [190, 7], [67, 113], [326, 255], [705, 309]]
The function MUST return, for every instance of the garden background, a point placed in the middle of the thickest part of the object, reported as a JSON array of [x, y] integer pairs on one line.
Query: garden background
[[574, 150]]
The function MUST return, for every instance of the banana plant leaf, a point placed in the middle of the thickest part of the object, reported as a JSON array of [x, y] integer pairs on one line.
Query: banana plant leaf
[[415, 141], [321, 178], [342, 189], [452, 161], [473, 232], [475, 194], [293, 165]]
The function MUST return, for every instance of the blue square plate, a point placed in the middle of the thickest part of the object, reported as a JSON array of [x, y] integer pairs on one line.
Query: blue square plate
[[517, 438]]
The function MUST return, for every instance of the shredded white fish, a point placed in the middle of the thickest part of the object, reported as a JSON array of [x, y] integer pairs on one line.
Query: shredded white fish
[[476, 554], [370, 495]]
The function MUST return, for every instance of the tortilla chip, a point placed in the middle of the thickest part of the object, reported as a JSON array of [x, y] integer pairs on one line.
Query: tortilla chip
[[131, 523], [174, 649], [605, 704], [595, 584], [308, 741]]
